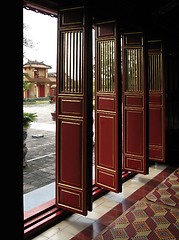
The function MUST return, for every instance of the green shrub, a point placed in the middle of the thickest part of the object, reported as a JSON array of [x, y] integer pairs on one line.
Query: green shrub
[[28, 118]]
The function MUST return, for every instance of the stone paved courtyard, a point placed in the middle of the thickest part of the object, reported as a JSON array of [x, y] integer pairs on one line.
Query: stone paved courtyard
[[40, 142]]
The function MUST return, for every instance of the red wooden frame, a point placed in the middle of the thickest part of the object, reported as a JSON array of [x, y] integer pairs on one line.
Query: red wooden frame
[[108, 154], [135, 136], [74, 112], [156, 82]]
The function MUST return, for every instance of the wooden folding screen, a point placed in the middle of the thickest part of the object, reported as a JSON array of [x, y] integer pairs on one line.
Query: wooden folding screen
[[74, 109], [135, 136], [108, 151], [74, 112], [156, 85]]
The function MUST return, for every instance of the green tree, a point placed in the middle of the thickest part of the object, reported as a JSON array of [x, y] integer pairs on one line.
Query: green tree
[[26, 85], [26, 43]]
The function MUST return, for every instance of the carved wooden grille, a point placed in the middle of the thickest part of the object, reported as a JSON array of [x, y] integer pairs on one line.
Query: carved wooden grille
[[71, 66], [154, 72], [133, 71], [106, 66]]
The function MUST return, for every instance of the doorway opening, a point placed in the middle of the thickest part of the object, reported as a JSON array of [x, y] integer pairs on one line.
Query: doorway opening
[[39, 71], [94, 192]]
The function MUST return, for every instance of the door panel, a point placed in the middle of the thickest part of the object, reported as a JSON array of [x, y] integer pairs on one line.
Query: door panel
[[108, 151], [135, 144], [74, 112], [41, 91], [106, 135], [156, 102]]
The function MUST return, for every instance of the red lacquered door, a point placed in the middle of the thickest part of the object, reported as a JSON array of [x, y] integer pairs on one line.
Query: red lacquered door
[[135, 137], [108, 173], [41, 90], [74, 112], [156, 101]]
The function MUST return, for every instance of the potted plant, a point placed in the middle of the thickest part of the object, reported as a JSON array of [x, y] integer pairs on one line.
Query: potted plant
[[28, 118]]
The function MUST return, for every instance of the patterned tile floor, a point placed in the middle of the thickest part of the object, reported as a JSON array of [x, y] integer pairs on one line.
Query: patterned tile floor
[[144, 220], [108, 207]]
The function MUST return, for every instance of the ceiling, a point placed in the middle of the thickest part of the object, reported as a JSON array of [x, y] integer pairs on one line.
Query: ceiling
[[155, 17]]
